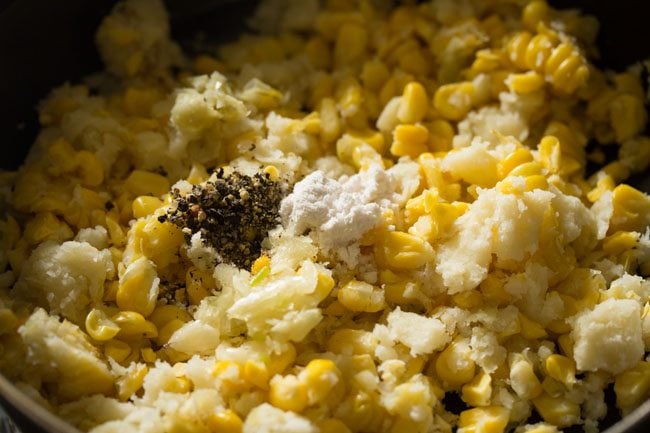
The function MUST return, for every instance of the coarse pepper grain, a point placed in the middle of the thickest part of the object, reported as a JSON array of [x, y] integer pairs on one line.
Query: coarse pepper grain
[[233, 213]]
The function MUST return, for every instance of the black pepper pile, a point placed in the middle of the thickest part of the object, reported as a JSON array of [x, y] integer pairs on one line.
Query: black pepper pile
[[233, 213]]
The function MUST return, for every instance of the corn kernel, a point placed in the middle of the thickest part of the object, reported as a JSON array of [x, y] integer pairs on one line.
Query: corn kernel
[[361, 296], [414, 103], [527, 82], [332, 425], [550, 153], [405, 251], [129, 384], [256, 373], [225, 421], [491, 419], [558, 411], [530, 329], [350, 44], [410, 140], [453, 101], [534, 13], [198, 284], [514, 159], [631, 209], [454, 365], [527, 169], [145, 205], [478, 391], [142, 182], [148, 355], [320, 377], [118, 350], [167, 330], [523, 379], [99, 326], [288, 393], [91, 169], [138, 288], [632, 387], [561, 368], [134, 326]]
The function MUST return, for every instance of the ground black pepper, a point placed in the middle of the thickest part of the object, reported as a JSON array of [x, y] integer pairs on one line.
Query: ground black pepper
[[233, 212]]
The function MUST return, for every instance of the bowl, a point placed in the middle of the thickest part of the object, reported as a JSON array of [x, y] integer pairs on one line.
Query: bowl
[[44, 44]]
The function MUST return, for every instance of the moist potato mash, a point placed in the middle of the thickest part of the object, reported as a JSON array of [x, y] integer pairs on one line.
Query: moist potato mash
[[360, 217]]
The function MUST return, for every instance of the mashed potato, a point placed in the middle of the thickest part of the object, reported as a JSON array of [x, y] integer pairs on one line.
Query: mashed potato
[[332, 224]]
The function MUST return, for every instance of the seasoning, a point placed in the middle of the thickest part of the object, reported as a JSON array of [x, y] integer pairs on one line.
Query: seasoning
[[233, 213]]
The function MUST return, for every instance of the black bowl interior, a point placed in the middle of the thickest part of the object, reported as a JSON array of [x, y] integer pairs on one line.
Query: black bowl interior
[[44, 44]]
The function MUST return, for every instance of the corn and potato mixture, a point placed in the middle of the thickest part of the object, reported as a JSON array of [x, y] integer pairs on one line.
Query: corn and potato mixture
[[339, 223]]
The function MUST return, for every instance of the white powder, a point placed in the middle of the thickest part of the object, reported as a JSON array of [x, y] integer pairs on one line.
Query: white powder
[[338, 212]]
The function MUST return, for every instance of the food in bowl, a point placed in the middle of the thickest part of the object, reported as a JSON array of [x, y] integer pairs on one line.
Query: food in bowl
[[339, 223]]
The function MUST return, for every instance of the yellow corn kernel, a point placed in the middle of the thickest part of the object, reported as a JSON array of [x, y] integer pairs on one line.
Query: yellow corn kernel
[[441, 134], [604, 184], [91, 169], [530, 329], [324, 285], [167, 330], [523, 379], [134, 326], [526, 82], [352, 342], [198, 284], [180, 385], [330, 121], [527, 169], [332, 425], [288, 393], [631, 209], [493, 290], [535, 12], [229, 374], [361, 296], [514, 159], [46, 226], [561, 368], [550, 153], [478, 391], [145, 205], [129, 384], [350, 44], [225, 421], [320, 376], [278, 363], [468, 299], [405, 251], [138, 288], [148, 355], [453, 101], [414, 103], [627, 116], [454, 365], [374, 139], [142, 182], [99, 326], [620, 242], [118, 350], [374, 74], [558, 411], [260, 263], [115, 231], [364, 156], [62, 156], [491, 419], [164, 314], [410, 140], [632, 387], [256, 373]]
